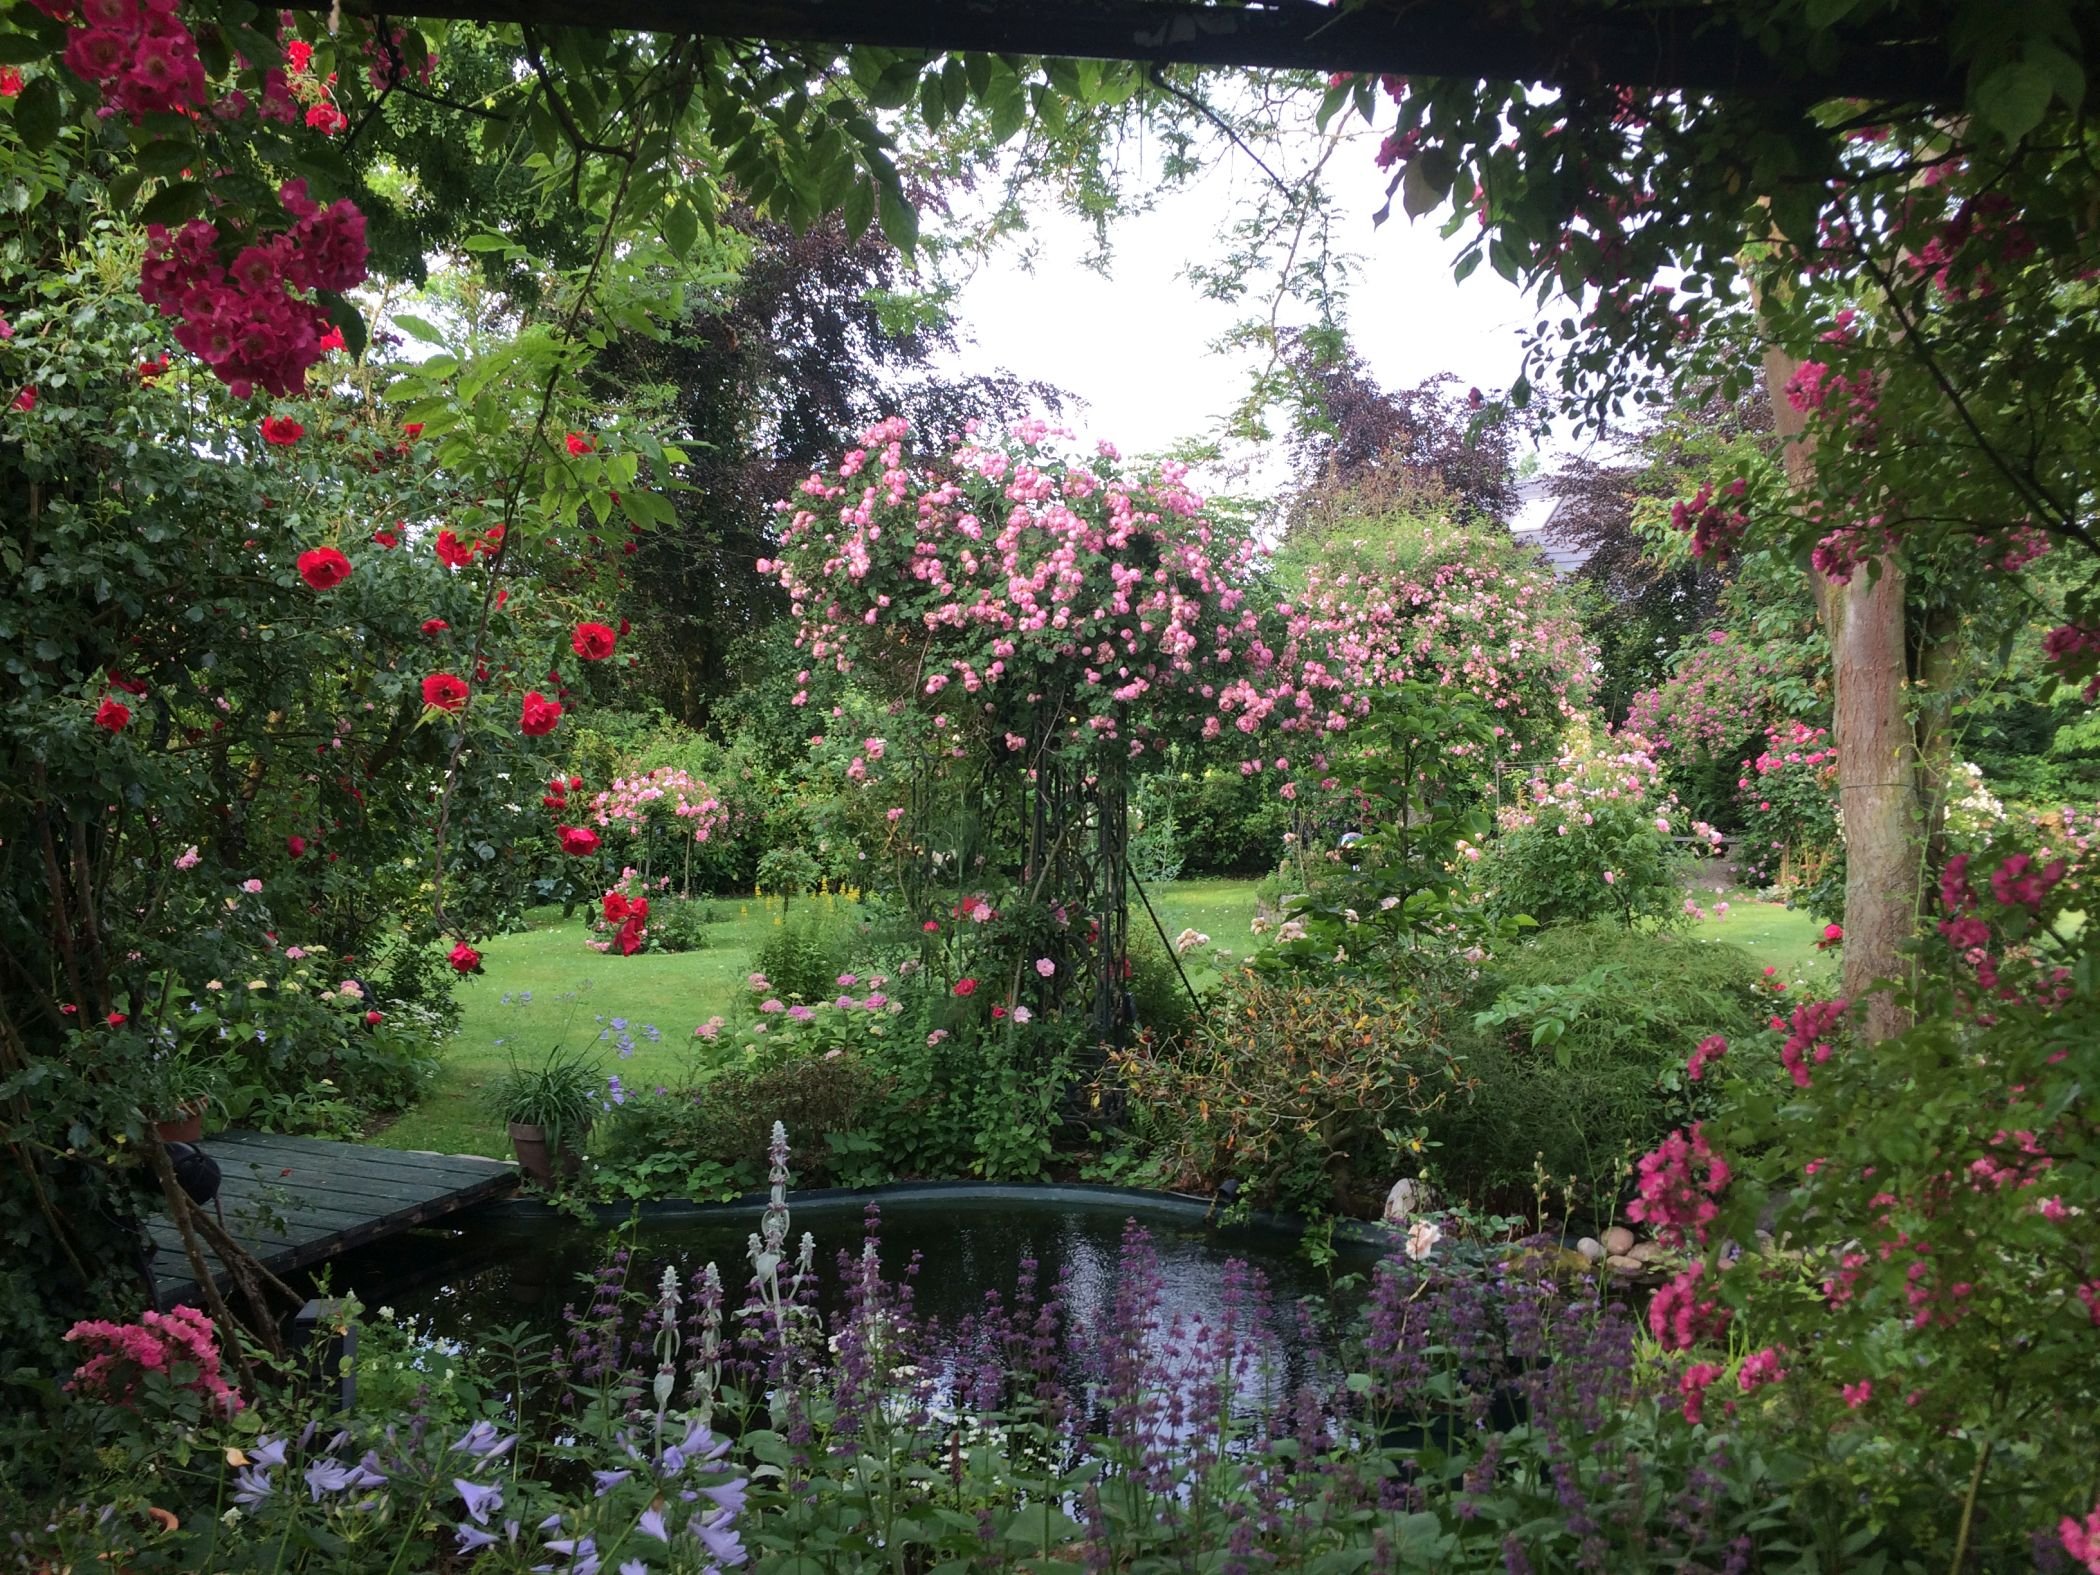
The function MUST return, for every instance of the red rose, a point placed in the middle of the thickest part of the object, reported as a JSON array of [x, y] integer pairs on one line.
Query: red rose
[[464, 959], [117, 1019], [333, 340], [324, 568], [593, 641], [966, 987], [502, 594], [295, 845], [386, 538], [931, 926], [281, 431], [10, 82], [998, 1012], [639, 908], [374, 1019], [413, 428], [575, 783], [540, 715], [26, 400], [444, 692], [112, 714], [629, 940], [130, 686], [615, 906], [453, 552], [150, 371], [578, 840], [578, 445], [435, 626]]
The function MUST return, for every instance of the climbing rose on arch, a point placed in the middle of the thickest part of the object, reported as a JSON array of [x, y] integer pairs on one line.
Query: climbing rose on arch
[[593, 641], [324, 568]]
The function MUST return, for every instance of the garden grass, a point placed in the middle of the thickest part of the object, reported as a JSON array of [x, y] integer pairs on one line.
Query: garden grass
[[541, 986]]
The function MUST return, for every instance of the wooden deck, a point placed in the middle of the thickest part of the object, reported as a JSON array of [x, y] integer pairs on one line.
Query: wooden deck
[[295, 1201]]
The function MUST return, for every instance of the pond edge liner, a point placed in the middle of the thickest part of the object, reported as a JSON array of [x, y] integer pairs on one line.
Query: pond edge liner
[[1197, 1210]]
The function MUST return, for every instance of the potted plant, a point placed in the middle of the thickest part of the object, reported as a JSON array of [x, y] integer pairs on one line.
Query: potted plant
[[549, 1108], [184, 1088]]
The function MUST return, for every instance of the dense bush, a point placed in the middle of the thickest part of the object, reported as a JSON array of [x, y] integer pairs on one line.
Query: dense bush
[[1590, 837], [805, 953], [1577, 1058], [1314, 1097]]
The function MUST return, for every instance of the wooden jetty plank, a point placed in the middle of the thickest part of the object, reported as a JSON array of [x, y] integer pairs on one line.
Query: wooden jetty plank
[[295, 1202]]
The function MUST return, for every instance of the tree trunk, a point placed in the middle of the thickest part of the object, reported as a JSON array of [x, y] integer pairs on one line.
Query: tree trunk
[[1878, 798]]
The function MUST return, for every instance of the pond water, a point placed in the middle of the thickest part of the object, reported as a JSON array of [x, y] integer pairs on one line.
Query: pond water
[[504, 1266]]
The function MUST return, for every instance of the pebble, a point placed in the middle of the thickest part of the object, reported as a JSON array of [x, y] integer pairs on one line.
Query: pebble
[[1591, 1248], [1618, 1240], [1619, 1263]]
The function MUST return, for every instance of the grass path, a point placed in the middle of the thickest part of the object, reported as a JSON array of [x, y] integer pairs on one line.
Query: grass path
[[543, 987]]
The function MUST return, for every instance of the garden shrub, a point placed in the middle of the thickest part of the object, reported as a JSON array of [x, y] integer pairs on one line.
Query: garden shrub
[[680, 925], [1314, 1096], [699, 1140], [1589, 837], [806, 952], [1577, 1058]]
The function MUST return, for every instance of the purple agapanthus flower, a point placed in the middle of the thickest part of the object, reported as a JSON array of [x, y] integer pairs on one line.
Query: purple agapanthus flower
[[479, 1500]]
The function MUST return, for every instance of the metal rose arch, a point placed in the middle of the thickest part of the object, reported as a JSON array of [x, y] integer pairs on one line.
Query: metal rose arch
[[1021, 623]]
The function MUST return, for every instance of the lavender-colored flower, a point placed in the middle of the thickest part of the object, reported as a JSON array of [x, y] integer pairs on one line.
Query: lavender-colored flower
[[652, 1525], [479, 1500], [719, 1535], [484, 1442], [729, 1496], [268, 1451], [472, 1539], [582, 1554], [251, 1486], [633, 1567], [608, 1480], [328, 1476]]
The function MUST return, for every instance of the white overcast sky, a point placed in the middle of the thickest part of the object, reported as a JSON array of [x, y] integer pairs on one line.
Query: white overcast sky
[[1137, 345]]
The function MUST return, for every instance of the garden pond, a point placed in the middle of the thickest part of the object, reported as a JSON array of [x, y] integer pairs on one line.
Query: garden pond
[[520, 1264]]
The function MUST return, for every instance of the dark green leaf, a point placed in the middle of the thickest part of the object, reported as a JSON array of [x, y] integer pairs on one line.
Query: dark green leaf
[[681, 229], [2014, 98], [38, 111], [174, 204], [19, 49]]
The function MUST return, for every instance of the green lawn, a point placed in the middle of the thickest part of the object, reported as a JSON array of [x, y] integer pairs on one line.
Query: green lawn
[[542, 987]]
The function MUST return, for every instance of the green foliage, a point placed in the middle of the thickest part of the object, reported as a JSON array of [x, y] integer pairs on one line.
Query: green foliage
[[698, 1141], [1155, 844], [1226, 823], [679, 924], [1577, 1057], [804, 955], [1589, 836], [1159, 984], [1315, 1095]]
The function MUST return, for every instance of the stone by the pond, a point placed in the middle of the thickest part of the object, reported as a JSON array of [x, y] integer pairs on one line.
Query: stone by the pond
[[1618, 1240], [1591, 1248], [1645, 1251], [1619, 1263], [1407, 1199]]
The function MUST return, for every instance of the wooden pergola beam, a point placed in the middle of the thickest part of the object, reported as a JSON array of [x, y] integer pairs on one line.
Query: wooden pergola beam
[[1683, 46]]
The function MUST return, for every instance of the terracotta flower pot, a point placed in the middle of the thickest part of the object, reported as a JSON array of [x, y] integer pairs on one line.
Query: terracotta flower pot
[[185, 1126], [529, 1143]]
